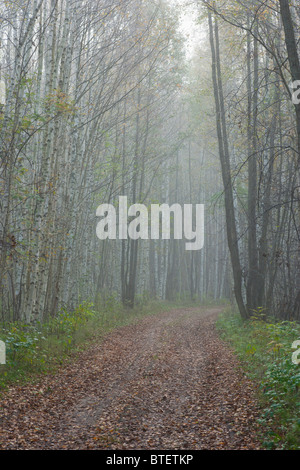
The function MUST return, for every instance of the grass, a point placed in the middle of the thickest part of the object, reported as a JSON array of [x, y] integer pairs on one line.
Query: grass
[[264, 348]]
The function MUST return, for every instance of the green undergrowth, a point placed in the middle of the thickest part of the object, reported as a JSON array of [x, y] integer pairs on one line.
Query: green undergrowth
[[265, 350], [35, 350]]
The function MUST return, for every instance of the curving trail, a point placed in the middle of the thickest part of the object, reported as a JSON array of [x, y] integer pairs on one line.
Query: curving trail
[[165, 383]]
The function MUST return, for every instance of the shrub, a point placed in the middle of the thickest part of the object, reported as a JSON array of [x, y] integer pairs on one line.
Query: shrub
[[264, 347]]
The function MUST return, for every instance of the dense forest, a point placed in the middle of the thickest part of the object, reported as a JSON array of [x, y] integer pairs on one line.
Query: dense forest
[[101, 99], [149, 216]]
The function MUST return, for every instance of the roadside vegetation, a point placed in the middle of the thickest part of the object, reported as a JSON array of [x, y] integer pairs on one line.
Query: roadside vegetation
[[264, 347]]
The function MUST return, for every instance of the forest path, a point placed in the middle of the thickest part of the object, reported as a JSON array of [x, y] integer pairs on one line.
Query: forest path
[[166, 382]]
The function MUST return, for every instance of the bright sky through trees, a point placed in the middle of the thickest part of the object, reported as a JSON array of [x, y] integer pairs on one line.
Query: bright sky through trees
[[189, 24]]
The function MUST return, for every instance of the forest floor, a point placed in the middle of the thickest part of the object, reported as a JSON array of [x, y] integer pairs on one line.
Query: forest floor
[[165, 382]]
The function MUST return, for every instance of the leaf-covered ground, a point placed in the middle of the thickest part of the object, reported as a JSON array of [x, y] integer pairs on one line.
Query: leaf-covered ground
[[167, 382]]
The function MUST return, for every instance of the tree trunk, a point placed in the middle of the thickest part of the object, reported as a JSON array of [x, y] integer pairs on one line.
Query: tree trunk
[[294, 62], [232, 235]]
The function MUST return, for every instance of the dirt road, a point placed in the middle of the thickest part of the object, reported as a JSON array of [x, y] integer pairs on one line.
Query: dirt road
[[167, 382]]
